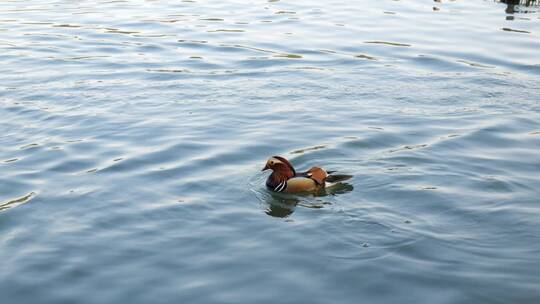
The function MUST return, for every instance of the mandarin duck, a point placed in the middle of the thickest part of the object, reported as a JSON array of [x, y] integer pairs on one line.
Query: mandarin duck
[[285, 179]]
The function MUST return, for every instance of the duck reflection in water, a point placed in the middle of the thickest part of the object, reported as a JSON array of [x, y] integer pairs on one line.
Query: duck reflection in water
[[283, 205]]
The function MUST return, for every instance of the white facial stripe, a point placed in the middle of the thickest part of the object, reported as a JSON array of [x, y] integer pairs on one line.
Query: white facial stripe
[[274, 160]]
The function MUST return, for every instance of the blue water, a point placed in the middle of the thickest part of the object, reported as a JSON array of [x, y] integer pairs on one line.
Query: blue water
[[133, 134]]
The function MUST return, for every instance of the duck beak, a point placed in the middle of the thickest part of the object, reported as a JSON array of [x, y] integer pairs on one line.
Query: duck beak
[[265, 168]]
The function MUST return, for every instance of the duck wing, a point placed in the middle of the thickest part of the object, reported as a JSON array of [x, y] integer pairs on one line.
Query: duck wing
[[336, 178], [320, 175]]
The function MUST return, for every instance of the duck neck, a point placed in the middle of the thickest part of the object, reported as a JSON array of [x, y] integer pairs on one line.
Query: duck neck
[[279, 176]]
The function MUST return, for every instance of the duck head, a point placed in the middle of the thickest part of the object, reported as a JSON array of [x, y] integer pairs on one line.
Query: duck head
[[280, 165]]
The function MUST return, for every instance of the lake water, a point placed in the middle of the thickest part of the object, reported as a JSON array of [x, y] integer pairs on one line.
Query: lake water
[[133, 134]]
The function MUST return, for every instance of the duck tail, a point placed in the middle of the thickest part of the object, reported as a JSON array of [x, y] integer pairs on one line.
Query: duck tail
[[335, 178]]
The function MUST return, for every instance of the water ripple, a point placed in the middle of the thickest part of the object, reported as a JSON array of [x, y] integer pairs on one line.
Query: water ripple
[[17, 202], [136, 132]]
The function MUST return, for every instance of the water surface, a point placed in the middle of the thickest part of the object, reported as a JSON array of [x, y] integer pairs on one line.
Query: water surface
[[133, 134]]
